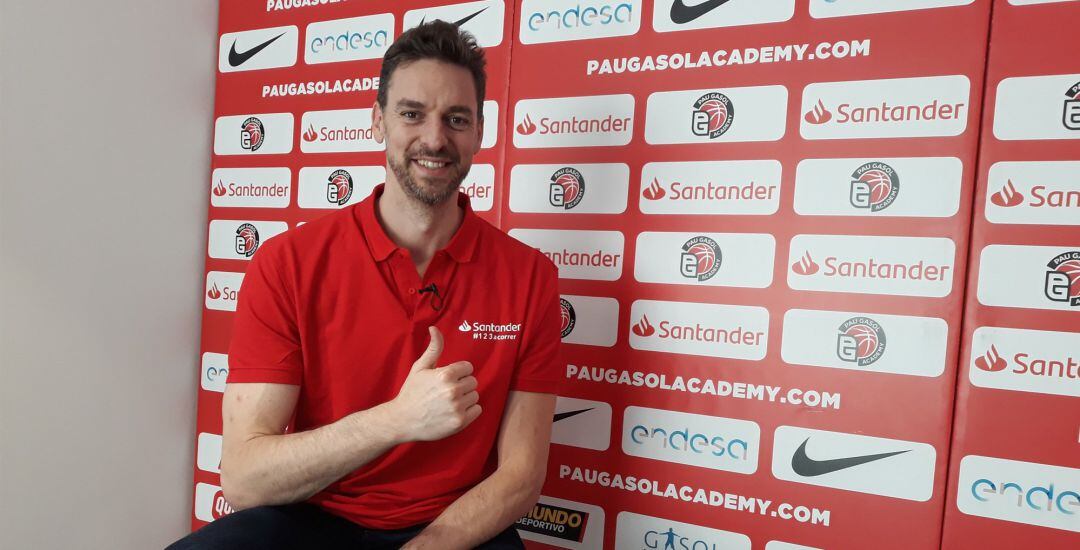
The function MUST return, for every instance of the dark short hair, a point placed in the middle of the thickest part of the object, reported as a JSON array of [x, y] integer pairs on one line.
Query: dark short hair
[[437, 40]]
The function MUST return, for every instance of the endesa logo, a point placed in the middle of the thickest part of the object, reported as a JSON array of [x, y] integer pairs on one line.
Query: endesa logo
[[222, 289], [261, 134], [484, 19], [337, 186], [215, 369], [1033, 361], [250, 187], [595, 255], [710, 115], [343, 131], [1038, 277], [210, 503], [740, 187], [581, 423], [569, 189], [683, 15], [257, 49], [650, 533], [239, 240], [906, 266], [872, 187], [545, 21], [589, 320], [901, 107], [348, 39], [1034, 108], [708, 441], [713, 259], [710, 330], [820, 9], [865, 342], [574, 121], [1021, 492], [563, 523], [1042, 193]]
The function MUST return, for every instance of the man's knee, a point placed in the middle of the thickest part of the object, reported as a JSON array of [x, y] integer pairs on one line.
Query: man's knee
[[263, 527]]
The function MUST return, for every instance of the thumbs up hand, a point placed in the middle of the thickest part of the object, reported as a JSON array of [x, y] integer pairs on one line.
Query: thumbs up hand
[[436, 402]]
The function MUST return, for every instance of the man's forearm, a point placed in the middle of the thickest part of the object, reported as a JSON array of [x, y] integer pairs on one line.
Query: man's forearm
[[473, 519], [285, 468]]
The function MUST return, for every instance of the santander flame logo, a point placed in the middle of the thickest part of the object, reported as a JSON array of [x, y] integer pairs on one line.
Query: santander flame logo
[[214, 293], [643, 327], [464, 326], [991, 361], [806, 265], [219, 189], [310, 134], [526, 127], [818, 115], [654, 191], [1008, 196]]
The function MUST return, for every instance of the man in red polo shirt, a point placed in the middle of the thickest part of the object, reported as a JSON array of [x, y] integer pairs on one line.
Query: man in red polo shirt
[[393, 365]]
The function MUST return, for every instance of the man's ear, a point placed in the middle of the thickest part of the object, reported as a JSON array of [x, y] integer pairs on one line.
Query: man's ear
[[377, 123]]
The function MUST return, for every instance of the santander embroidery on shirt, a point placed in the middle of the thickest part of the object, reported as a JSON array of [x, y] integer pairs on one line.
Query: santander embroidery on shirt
[[491, 331]]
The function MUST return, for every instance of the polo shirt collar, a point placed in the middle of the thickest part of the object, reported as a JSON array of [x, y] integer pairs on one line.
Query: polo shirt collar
[[462, 245]]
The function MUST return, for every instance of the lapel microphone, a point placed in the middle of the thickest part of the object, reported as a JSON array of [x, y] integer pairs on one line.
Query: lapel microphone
[[437, 301]]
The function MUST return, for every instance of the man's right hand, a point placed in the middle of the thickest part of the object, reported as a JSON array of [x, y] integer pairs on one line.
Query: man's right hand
[[436, 402]]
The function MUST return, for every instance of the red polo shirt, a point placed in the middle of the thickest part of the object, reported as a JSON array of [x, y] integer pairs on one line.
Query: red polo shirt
[[334, 307]]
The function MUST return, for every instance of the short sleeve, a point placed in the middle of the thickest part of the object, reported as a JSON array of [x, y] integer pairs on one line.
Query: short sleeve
[[265, 344], [537, 367]]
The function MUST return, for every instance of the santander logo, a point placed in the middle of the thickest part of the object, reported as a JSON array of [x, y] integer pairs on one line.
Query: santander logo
[[991, 361], [310, 134], [654, 191], [818, 115], [806, 265], [526, 127], [643, 327], [1008, 196], [219, 189], [214, 293]]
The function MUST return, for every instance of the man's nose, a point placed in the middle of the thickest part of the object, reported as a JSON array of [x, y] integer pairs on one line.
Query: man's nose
[[433, 135]]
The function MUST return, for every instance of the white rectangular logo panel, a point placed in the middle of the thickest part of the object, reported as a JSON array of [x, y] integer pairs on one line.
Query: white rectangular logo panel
[[1043, 192], [210, 503], [635, 531], [594, 255], [240, 239], [734, 187], [215, 369], [709, 330], [337, 186], [1033, 361], [484, 19], [742, 260], [491, 124], [544, 21], [563, 523], [589, 320], [713, 442], [351, 39], [581, 423], [1036, 277], [916, 187], [258, 49], [569, 188], [859, 463], [1038, 107], [891, 108], [720, 115], [344, 131], [208, 454], [1021, 492], [251, 187], [820, 9], [262, 134], [574, 121], [905, 266], [479, 185], [865, 342], [222, 290], [676, 15]]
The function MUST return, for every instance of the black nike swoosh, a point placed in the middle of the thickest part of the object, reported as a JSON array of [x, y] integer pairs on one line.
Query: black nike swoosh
[[568, 414], [459, 22], [236, 58], [808, 467], [681, 13]]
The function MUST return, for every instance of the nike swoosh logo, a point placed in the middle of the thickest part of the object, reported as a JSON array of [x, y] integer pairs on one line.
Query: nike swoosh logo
[[459, 22], [237, 58], [808, 467], [568, 414], [681, 13]]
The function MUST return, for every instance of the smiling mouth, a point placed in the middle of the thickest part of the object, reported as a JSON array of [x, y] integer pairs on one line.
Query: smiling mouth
[[431, 164]]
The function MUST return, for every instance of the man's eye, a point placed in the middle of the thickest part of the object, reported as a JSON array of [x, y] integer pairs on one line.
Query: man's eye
[[459, 121], [410, 114]]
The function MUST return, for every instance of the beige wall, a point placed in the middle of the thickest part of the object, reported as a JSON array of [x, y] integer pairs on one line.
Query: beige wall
[[105, 124]]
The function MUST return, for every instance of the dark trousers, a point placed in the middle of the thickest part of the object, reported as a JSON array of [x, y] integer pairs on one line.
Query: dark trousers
[[302, 526]]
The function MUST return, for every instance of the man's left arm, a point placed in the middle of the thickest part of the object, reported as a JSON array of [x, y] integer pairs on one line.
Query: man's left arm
[[508, 493]]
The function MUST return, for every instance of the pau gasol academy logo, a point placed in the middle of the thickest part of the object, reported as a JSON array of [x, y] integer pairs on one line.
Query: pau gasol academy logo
[[861, 341], [700, 258], [569, 317], [712, 116], [567, 188], [247, 240], [339, 187], [874, 186], [1063, 278], [252, 133], [1071, 116]]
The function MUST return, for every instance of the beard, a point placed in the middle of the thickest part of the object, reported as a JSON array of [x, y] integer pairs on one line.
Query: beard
[[429, 191]]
